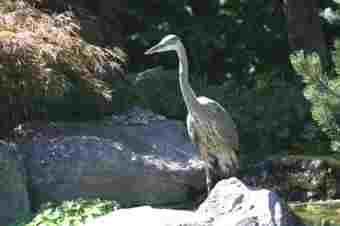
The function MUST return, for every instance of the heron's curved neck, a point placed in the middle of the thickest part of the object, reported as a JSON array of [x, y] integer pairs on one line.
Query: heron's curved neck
[[189, 95]]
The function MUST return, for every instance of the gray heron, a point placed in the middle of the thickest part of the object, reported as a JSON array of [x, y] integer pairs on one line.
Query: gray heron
[[209, 125]]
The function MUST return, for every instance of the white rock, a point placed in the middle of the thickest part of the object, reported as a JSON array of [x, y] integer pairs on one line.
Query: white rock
[[145, 216], [233, 203]]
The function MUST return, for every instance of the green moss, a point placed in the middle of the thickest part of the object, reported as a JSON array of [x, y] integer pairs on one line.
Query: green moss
[[319, 214], [74, 212]]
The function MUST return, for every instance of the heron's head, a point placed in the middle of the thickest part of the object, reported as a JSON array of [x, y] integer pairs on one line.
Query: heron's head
[[168, 43]]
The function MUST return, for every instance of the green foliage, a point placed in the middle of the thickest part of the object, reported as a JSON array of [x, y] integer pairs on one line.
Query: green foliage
[[322, 92], [318, 214], [158, 90], [230, 47], [222, 37], [71, 213]]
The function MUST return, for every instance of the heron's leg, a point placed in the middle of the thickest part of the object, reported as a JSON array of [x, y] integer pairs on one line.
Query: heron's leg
[[204, 153], [235, 160]]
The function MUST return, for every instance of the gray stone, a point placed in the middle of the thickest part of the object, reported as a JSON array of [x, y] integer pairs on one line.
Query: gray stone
[[230, 203], [296, 178], [134, 163], [14, 201]]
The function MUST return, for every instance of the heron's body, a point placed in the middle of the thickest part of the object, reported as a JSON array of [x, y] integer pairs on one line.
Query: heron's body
[[209, 124], [215, 113], [219, 140]]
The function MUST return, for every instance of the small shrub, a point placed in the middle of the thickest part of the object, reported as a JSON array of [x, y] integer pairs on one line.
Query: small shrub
[[44, 58], [72, 213]]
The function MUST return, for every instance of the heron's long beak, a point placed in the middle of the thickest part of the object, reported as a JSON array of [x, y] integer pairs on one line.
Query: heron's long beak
[[154, 49]]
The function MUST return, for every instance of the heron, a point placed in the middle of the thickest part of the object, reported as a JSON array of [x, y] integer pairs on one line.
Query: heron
[[209, 125]]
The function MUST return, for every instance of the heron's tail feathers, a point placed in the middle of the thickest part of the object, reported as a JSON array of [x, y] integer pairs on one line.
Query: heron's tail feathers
[[225, 164]]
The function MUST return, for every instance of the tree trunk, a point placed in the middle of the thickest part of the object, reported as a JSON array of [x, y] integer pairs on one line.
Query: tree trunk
[[304, 27]]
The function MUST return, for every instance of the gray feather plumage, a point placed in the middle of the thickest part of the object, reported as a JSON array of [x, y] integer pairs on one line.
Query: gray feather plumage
[[209, 125]]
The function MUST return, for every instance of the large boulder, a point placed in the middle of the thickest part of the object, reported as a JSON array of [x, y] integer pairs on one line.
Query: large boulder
[[297, 178], [135, 159], [14, 200], [230, 203]]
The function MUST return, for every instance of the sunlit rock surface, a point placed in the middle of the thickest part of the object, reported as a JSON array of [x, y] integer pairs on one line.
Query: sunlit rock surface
[[230, 203], [136, 160]]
